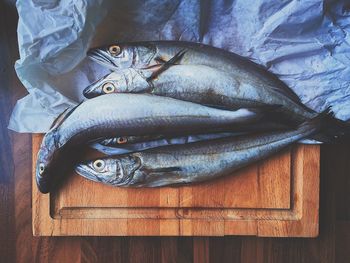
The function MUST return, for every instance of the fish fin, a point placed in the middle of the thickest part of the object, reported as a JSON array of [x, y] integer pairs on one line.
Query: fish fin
[[175, 59], [160, 60], [161, 181], [328, 128], [154, 177], [62, 116], [178, 56]]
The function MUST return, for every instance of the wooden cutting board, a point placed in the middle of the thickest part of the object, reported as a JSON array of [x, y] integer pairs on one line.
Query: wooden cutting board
[[277, 197]]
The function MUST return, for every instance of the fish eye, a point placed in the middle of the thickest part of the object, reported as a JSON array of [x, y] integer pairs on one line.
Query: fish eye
[[108, 88], [99, 165], [122, 140], [41, 168], [114, 50]]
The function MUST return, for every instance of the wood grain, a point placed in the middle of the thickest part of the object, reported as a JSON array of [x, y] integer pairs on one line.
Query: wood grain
[[201, 250], [176, 249], [248, 202], [261, 181], [331, 246]]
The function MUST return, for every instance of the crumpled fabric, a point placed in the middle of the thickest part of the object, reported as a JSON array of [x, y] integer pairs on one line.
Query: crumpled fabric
[[305, 43]]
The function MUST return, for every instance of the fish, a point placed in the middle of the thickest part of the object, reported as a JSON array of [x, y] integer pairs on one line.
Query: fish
[[151, 54], [126, 115], [128, 144], [194, 162], [201, 84], [125, 144]]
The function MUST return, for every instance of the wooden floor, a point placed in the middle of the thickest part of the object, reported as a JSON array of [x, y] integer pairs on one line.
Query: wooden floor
[[18, 245]]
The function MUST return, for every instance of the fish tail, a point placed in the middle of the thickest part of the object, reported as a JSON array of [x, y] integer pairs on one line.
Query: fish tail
[[325, 127]]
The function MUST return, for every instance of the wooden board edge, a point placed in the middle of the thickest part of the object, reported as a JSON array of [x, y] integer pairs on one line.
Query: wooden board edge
[[308, 223], [44, 225]]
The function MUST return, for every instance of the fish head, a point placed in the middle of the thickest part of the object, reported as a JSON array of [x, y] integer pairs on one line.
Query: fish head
[[118, 56], [45, 158], [114, 82], [112, 171], [121, 81]]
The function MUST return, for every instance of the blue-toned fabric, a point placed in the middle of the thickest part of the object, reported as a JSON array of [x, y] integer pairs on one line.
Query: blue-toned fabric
[[305, 43]]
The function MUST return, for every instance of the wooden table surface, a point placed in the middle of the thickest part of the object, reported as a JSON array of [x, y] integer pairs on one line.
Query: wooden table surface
[[18, 244]]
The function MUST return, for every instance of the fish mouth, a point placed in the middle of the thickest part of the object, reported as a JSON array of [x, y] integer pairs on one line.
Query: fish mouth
[[102, 58], [42, 184], [89, 92], [94, 89], [42, 181], [85, 172]]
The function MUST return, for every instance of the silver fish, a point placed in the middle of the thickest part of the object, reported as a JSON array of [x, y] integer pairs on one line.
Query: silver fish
[[200, 84], [191, 163], [148, 55], [128, 144], [126, 114]]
